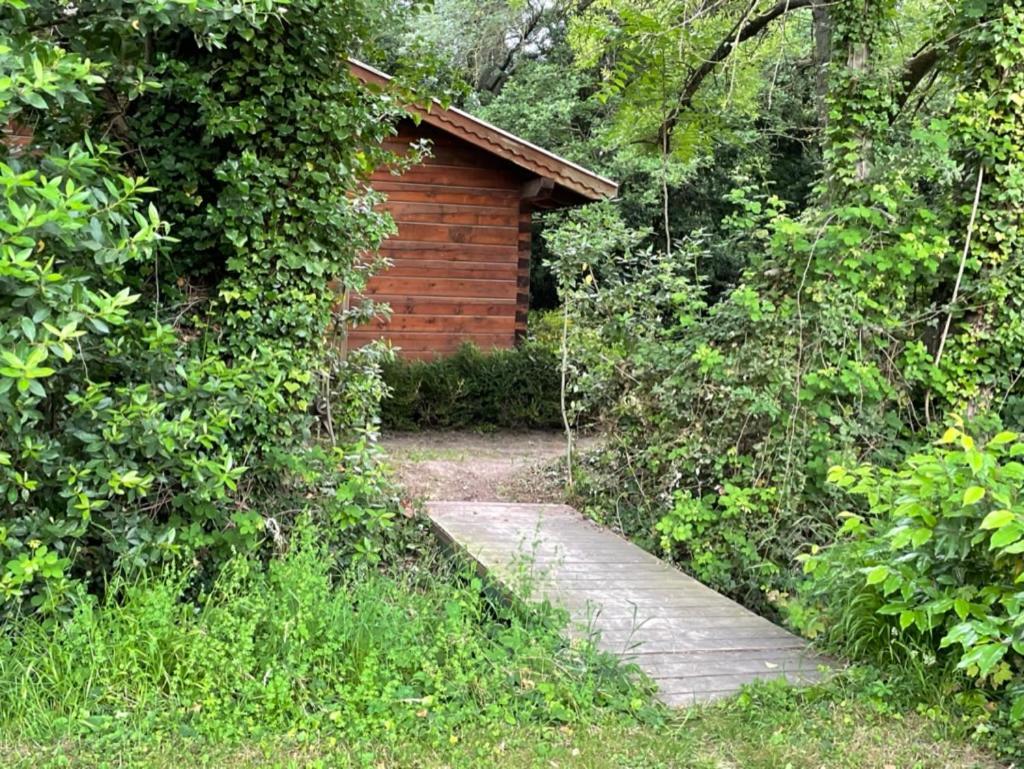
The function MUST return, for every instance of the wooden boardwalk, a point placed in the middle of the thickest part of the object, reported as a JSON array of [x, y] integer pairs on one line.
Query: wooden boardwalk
[[696, 644]]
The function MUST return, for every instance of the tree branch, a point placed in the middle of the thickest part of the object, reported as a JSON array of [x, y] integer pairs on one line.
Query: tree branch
[[497, 77], [914, 71], [743, 30], [539, 14]]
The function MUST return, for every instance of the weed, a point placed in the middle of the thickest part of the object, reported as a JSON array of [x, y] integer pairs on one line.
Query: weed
[[290, 648]]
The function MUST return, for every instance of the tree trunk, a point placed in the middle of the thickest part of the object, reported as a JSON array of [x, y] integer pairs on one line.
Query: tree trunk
[[822, 27], [857, 63]]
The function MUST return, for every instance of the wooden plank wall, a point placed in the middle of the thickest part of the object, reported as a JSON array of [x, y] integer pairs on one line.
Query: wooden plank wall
[[457, 269]]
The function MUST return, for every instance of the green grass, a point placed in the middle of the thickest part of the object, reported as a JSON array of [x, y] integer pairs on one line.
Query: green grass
[[290, 664], [295, 648], [769, 727]]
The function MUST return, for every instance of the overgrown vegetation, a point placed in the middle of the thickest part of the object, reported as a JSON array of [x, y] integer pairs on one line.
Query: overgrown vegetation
[[361, 657], [857, 722], [516, 389], [932, 566], [815, 262], [175, 207], [799, 328]]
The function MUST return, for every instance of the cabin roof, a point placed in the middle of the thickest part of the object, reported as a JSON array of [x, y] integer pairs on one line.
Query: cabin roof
[[583, 185]]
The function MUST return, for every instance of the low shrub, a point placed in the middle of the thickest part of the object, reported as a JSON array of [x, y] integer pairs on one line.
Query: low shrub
[[293, 648], [516, 388], [931, 567]]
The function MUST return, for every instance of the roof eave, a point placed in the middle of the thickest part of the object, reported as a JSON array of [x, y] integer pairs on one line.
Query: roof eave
[[572, 177]]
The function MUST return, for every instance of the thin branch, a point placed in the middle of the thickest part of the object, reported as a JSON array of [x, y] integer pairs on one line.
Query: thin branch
[[741, 31], [963, 264]]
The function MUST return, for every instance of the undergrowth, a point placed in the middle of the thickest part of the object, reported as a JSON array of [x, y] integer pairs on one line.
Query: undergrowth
[[291, 648], [865, 718]]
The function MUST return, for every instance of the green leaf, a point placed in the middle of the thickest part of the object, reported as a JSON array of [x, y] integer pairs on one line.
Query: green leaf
[[985, 657], [973, 495], [877, 574], [1004, 437], [1007, 535], [961, 607], [1017, 710], [12, 360], [34, 99], [921, 536], [997, 519], [975, 459], [1015, 549], [963, 634]]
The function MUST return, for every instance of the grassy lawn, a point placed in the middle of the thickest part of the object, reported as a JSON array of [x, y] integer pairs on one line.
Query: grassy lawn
[[768, 727], [295, 664]]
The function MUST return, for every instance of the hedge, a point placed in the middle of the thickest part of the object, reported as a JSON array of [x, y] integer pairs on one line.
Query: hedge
[[516, 388]]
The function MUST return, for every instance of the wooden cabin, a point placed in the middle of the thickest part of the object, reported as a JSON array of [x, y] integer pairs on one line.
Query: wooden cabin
[[460, 263]]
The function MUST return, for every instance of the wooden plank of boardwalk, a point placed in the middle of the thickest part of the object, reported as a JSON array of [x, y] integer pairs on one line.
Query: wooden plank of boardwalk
[[696, 644]]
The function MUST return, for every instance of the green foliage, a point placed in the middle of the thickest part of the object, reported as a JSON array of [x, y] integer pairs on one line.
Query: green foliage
[[289, 647], [676, 156], [860, 720], [558, 94], [517, 388], [933, 556], [163, 352], [727, 409]]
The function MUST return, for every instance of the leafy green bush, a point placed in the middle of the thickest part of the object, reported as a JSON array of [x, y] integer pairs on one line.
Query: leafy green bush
[[933, 561], [516, 388], [162, 344], [879, 309], [292, 648]]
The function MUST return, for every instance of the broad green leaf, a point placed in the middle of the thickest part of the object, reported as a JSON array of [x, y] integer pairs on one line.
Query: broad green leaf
[[34, 99], [961, 607], [985, 657], [975, 459], [1004, 437], [1007, 535], [973, 495], [997, 519], [921, 536], [877, 574], [1017, 710], [963, 634]]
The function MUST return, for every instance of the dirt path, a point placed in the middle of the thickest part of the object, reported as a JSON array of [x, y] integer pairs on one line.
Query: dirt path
[[468, 466]]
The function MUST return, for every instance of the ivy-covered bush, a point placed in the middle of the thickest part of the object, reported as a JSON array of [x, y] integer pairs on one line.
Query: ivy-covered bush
[[517, 388], [164, 294], [930, 561]]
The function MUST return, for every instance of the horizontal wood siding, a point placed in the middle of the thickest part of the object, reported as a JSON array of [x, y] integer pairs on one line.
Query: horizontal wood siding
[[457, 268]]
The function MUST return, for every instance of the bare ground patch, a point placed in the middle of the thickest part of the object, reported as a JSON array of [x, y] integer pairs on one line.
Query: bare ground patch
[[470, 466]]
